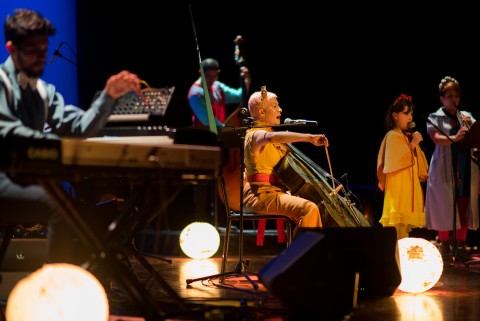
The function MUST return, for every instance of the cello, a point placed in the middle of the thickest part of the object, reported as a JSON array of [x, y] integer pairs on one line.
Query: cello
[[306, 179], [231, 171]]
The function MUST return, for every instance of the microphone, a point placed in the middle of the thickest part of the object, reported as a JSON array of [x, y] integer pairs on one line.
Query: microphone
[[410, 128], [56, 52], [289, 121]]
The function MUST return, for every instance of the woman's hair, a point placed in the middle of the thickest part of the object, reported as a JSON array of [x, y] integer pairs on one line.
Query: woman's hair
[[448, 83], [257, 101], [397, 106]]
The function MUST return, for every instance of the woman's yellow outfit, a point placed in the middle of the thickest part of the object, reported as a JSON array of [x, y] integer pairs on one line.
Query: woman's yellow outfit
[[400, 172], [263, 192]]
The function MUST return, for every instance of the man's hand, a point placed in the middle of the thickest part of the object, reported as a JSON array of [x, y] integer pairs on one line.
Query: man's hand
[[121, 83]]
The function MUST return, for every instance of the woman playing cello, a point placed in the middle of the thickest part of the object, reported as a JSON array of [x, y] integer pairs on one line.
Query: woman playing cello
[[264, 148]]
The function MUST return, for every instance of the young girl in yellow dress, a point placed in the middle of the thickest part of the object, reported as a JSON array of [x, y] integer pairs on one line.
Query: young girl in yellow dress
[[401, 167]]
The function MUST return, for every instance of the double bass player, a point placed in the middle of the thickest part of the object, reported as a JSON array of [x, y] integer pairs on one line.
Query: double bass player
[[220, 95]]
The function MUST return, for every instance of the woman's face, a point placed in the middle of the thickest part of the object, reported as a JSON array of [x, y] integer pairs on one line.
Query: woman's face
[[403, 118], [272, 112], [451, 99]]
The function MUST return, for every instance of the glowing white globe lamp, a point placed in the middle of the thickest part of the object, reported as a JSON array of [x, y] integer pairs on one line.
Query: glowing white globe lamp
[[199, 240], [421, 264], [58, 292]]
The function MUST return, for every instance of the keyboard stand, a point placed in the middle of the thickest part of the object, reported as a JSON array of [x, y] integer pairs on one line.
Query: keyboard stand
[[109, 251]]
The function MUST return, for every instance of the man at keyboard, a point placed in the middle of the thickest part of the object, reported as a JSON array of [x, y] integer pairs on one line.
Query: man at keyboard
[[30, 107]]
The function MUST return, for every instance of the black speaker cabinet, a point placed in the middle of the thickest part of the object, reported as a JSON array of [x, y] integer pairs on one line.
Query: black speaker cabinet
[[323, 272], [21, 257]]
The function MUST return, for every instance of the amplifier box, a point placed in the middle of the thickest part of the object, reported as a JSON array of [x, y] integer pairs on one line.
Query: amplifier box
[[22, 257]]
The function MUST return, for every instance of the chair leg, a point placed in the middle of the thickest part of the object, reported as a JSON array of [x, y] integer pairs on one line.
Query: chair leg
[[289, 232], [281, 230]]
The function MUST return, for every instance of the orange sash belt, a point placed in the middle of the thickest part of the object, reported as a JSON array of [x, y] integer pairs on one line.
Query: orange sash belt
[[274, 180], [264, 178]]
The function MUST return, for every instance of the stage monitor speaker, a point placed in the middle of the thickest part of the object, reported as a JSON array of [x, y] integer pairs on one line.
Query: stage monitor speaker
[[323, 272]]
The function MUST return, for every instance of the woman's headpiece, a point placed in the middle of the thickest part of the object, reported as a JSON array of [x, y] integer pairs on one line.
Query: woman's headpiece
[[263, 96], [445, 81], [403, 97], [263, 91]]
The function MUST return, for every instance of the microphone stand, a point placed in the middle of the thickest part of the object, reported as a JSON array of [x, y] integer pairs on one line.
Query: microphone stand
[[59, 54], [240, 267], [455, 179]]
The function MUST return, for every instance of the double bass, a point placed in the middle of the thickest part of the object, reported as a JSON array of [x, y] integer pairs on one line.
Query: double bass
[[231, 170]]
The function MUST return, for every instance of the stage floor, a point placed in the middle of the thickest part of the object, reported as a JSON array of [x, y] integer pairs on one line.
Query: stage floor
[[455, 297]]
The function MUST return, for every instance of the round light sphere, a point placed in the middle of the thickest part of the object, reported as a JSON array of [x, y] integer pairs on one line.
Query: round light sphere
[[421, 264], [58, 292], [199, 240]]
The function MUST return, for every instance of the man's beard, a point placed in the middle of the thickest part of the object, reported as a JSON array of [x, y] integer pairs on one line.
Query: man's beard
[[33, 74], [29, 71]]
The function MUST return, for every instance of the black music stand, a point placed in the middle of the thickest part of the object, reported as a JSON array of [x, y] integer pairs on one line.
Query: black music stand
[[239, 269], [471, 140]]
